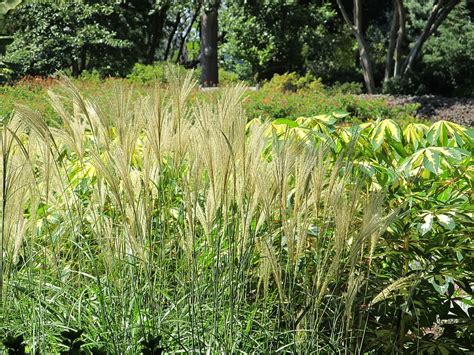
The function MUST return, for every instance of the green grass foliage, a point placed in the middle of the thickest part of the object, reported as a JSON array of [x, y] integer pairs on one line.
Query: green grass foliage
[[162, 216]]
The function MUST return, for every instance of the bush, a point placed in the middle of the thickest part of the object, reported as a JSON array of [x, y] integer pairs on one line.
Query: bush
[[347, 88], [142, 73], [293, 82], [75, 35], [227, 78], [407, 85], [449, 56], [289, 96]]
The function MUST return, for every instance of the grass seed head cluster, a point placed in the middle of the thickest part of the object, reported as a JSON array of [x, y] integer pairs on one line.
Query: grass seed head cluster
[[161, 214]]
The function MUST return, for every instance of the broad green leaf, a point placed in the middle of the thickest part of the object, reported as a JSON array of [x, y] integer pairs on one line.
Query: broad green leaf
[[366, 125], [427, 225], [412, 162], [328, 119], [438, 134], [285, 121], [449, 152], [313, 121], [279, 129], [414, 133], [253, 122], [384, 129], [345, 134], [377, 138], [340, 114], [446, 221], [441, 132], [431, 162], [394, 129], [430, 158]]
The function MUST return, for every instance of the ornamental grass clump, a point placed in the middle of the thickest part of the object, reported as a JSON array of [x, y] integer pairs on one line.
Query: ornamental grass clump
[[164, 215]]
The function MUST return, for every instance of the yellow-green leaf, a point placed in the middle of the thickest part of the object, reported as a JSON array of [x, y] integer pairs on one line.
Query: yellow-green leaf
[[431, 161], [384, 129]]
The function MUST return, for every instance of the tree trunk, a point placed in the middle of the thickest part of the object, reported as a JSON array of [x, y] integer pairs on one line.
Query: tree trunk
[[357, 31], [171, 37], [392, 41], [209, 28], [186, 34], [363, 48], [75, 68], [156, 32], [400, 8]]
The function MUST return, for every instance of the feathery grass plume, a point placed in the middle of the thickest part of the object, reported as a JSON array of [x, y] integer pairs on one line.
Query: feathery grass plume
[[16, 186], [397, 285], [162, 214]]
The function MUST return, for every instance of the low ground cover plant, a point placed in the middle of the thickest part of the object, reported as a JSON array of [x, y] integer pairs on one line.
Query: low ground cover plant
[[292, 96], [285, 96], [166, 220]]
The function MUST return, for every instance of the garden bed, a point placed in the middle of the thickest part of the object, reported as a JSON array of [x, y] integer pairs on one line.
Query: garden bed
[[458, 110]]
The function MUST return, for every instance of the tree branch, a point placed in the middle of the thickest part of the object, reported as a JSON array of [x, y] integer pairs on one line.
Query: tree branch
[[439, 12], [392, 41], [400, 8]]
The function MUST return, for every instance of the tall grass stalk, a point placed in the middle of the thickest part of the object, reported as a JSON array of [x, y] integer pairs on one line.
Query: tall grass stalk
[[168, 215]]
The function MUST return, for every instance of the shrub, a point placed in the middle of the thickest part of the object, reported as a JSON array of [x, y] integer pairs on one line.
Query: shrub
[[346, 88], [293, 82], [271, 102], [51, 36], [142, 73], [227, 78]]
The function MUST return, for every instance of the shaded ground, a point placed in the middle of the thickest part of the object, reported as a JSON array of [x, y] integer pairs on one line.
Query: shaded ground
[[459, 110]]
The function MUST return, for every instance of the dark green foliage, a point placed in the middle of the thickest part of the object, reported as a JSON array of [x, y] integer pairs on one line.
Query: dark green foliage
[[264, 38], [152, 346], [292, 96], [71, 35], [14, 344], [256, 40], [143, 74], [449, 57], [71, 339]]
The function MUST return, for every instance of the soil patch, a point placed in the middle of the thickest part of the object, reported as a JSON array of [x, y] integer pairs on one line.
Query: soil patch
[[435, 108]]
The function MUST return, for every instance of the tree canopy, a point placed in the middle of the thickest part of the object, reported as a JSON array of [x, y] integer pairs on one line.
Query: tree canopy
[[404, 46]]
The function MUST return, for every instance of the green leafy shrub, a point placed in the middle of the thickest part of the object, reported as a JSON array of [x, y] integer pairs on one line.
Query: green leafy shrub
[[272, 103], [142, 73], [75, 35], [227, 78], [449, 56], [346, 88], [294, 82], [410, 84], [426, 171]]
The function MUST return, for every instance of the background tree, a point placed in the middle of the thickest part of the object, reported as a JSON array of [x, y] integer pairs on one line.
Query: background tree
[[158, 16], [71, 34], [395, 65], [267, 38], [209, 43], [444, 65], [409, 46]]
